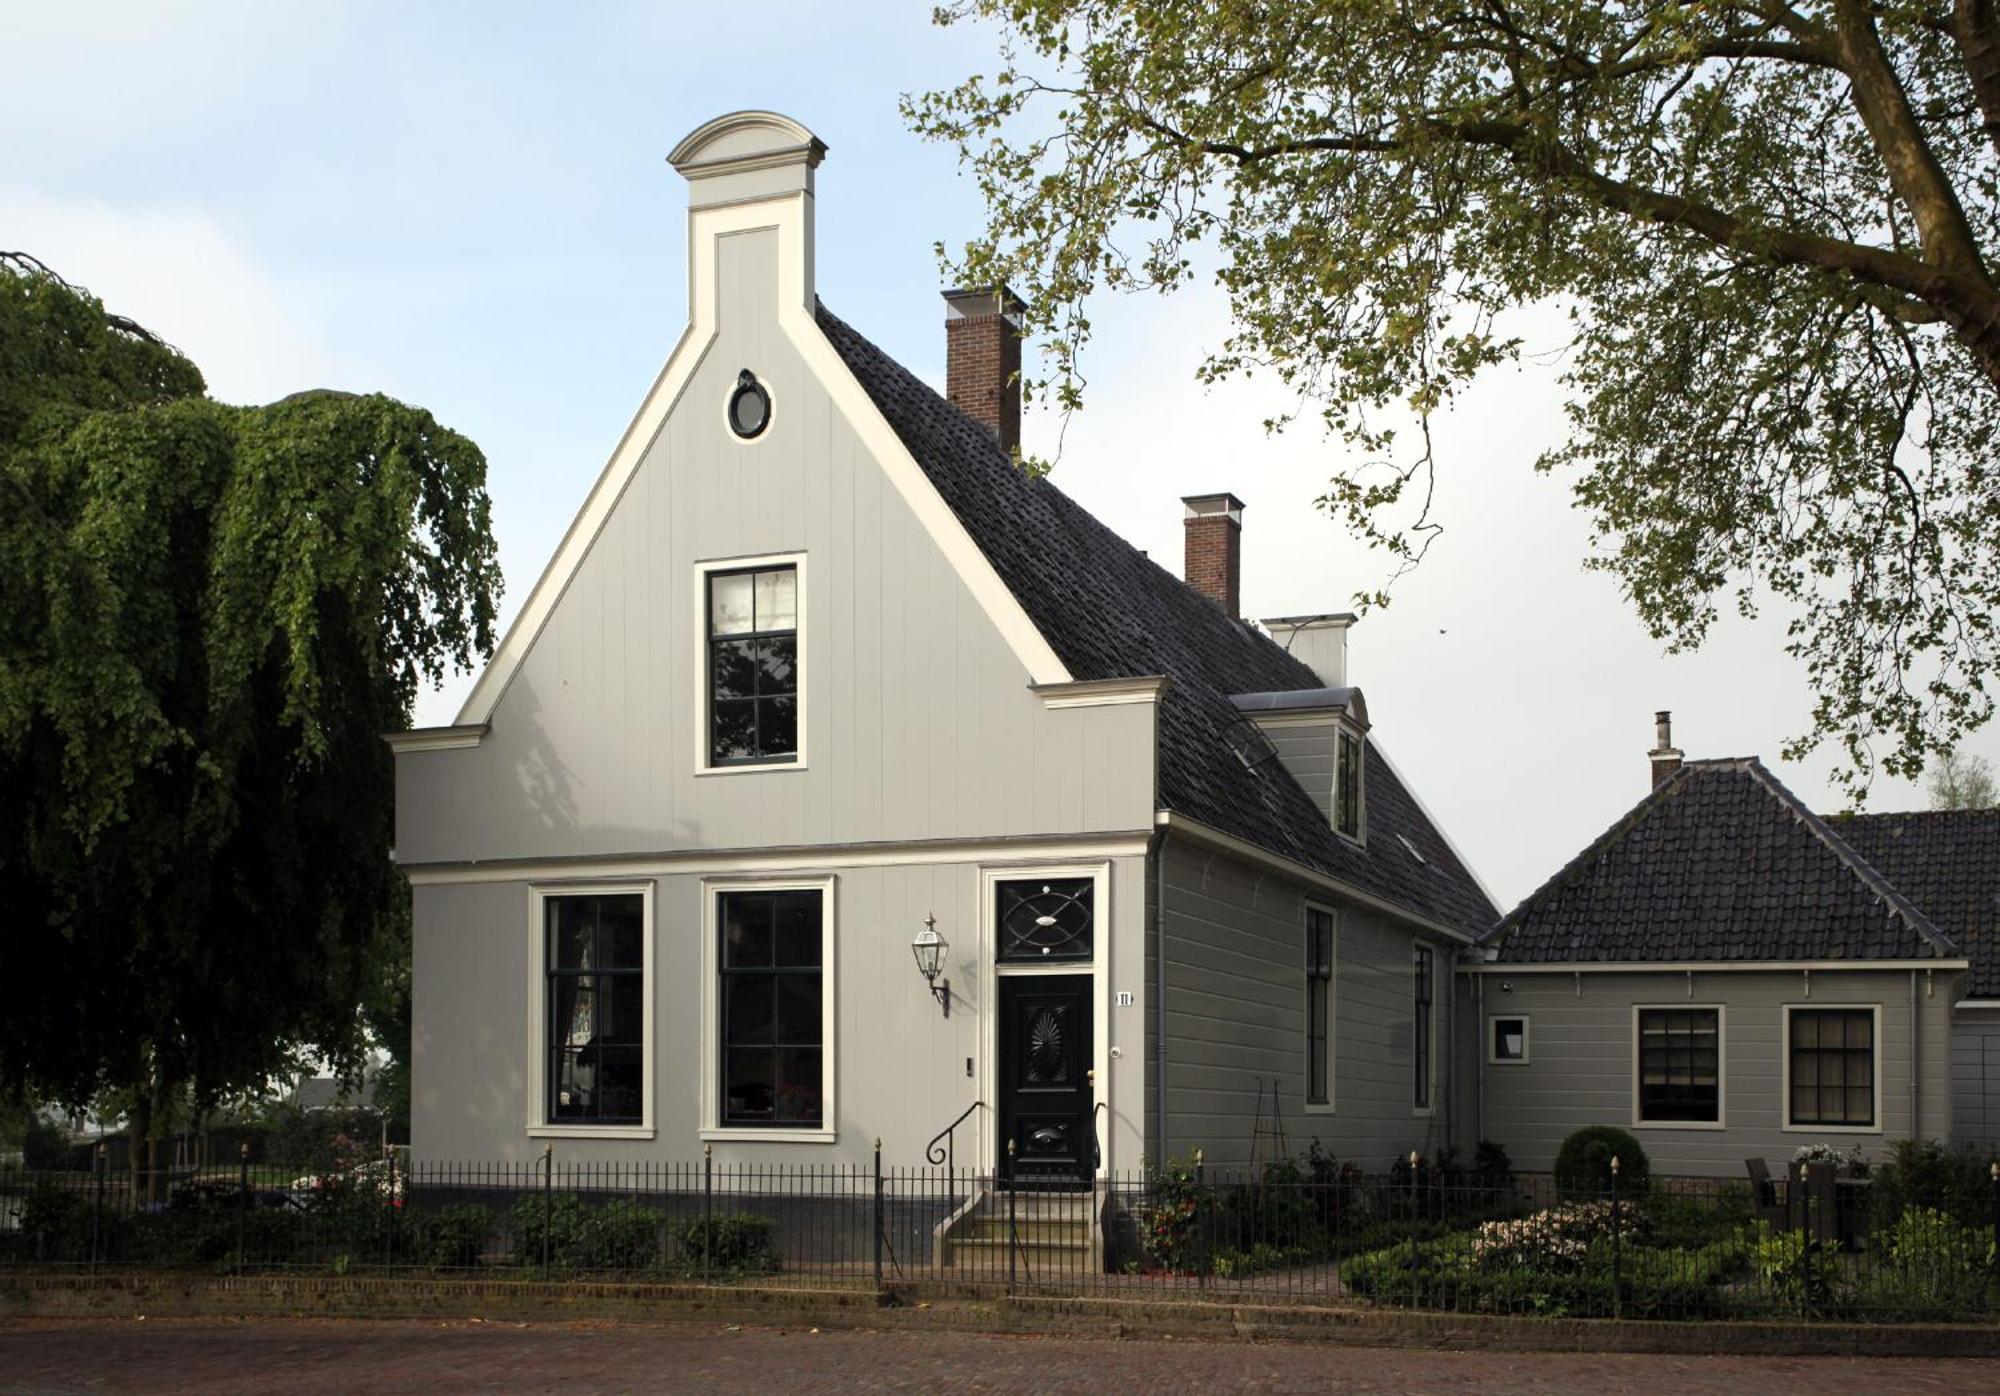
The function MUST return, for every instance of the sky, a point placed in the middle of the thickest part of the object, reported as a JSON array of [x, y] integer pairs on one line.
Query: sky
[[468, 207]]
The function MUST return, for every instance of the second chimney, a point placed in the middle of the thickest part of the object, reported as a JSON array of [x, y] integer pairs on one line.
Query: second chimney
[[982, 360], [1215, 548], [1665, 756]]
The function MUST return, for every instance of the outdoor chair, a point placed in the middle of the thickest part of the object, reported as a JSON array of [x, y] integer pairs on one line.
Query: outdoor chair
[[1770, 1195]]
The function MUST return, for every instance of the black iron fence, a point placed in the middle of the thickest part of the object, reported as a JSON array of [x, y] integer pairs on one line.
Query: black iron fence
[[1810, 1245]]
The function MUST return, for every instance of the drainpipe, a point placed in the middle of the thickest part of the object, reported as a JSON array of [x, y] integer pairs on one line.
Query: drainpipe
[[1158, 854], [1916, 1097]]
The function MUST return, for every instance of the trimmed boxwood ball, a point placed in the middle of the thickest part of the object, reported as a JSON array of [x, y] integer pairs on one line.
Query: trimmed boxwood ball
[[1583, 1164]]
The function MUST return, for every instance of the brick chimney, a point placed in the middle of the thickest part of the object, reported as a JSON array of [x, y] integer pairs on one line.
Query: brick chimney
[[1215, 548], [1665, 756], [982, 360]]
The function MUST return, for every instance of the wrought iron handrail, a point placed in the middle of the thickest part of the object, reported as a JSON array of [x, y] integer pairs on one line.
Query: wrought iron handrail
[[1096, 1144], [943, 1148]]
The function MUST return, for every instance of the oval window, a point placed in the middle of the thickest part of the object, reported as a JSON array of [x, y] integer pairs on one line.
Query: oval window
[[749, 406]]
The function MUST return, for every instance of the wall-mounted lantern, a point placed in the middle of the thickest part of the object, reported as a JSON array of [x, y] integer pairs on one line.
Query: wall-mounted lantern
[[930, 948]]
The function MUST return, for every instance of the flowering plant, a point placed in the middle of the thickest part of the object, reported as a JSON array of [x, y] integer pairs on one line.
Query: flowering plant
[[1850, 1161], [1559, 1236]]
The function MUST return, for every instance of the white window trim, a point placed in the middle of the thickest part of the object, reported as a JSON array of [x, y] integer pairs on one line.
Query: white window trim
[[712, 1128], [702, 691], [1785, 1069], [1099, 965], [1331, 1104], [1493, 1057], [1721, 1120], [1425, 1111], [539, 1125]]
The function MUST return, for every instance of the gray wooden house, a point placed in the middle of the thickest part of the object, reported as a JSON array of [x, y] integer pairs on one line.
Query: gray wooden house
[[1730, 976], [821, 692]]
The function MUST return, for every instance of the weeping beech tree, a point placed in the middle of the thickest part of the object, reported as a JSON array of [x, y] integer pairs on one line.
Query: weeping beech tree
[[1772, 225], [208, 617]]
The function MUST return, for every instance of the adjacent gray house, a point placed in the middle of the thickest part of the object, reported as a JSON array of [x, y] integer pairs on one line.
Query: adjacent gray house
[[838, 778], [1729, 976]]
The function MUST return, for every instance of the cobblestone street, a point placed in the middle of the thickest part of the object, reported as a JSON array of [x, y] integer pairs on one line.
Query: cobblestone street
[[269, 1356]]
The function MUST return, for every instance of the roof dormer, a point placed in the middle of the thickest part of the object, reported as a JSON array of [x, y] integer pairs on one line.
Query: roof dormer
[[1320, 736]]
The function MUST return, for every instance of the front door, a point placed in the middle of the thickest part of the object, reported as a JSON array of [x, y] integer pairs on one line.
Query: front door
[[1046, 1045]]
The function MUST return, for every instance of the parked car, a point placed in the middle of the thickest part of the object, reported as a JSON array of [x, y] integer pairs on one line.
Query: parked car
[[377, 1177]]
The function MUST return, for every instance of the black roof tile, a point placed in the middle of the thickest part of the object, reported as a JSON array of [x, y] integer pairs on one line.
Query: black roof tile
[[1108, 611], [1948, 863], [1720, 862]]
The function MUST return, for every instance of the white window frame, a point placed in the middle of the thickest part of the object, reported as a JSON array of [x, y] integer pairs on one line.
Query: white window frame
[[539, 1125], [704, 688], [1493, 1057], [1785, 1068], [712, 1128], [1721, 1120], [1099, 966], [1328, 1106]]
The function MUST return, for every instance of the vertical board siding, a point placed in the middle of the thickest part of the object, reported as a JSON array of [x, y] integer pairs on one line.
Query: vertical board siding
[[1579, 1070], [899, 1062], [1235, 1019], [1975, 1076], [919, 722]]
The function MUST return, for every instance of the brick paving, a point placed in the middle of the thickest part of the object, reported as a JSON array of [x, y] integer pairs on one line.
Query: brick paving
[[272, 1356]]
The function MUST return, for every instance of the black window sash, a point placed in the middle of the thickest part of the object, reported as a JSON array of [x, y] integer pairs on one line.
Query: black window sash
[[772, 1020], [764, 706], [1420, 1054], [607, 982], [1680, 1065], [1319, 993]]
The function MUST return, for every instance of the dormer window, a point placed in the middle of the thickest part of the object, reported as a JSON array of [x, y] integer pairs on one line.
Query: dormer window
[[1347, 804]]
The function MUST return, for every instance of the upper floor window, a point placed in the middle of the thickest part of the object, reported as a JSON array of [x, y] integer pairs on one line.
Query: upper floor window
[[753, 666], [1347, 786]]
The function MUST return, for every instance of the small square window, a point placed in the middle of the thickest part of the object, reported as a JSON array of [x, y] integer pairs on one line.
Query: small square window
[[1507, 1040]]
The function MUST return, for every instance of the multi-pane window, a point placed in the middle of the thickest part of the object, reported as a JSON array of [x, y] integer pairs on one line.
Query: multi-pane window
[[1833, 1066], [1423, 982], [595, 970], [1680, 1065], [773, 1011], [753, 666], [1319, 1002], [1047, 919], [1347, 787]]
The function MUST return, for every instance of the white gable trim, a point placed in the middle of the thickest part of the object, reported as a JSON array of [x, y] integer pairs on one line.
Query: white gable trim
[[791, 217]]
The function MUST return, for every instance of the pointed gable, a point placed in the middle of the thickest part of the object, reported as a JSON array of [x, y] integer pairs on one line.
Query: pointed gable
[[1720, 862]]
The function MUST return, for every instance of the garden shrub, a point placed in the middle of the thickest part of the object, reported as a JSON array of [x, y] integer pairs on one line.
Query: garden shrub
[[453, 1238], [1956, 1180], [1583, 1164], [1684, 1220], [1176, 1216], [742, 1243], [567, 1234], [1559, 1238], [1795, 1268]]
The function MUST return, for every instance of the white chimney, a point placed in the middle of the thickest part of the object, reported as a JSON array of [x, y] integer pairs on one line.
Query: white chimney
[[745, 169], [1318, 642]]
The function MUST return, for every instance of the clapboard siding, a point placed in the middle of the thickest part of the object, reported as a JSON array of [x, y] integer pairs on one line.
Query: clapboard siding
[[920, 724], [1580, 1067], [899, 1063], [1235, 1014], [1975, 1076]]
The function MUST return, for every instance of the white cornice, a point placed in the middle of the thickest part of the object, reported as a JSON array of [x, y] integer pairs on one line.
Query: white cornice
[[436, 738], [1100, 693]]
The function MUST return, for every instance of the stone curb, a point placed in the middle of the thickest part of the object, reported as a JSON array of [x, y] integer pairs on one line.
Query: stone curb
[[286, 1296]]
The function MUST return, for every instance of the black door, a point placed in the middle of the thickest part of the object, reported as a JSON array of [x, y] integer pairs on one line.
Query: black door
[[1045, 1093]]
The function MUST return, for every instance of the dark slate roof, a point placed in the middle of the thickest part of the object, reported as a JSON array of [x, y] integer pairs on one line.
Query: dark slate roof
[[1948, 863], [1108, 611], [1719, 862]]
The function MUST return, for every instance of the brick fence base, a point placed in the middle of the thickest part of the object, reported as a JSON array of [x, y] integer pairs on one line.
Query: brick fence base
[[907, 1307]]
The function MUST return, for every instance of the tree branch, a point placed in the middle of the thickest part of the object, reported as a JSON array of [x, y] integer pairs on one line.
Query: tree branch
[[1975, 26]]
